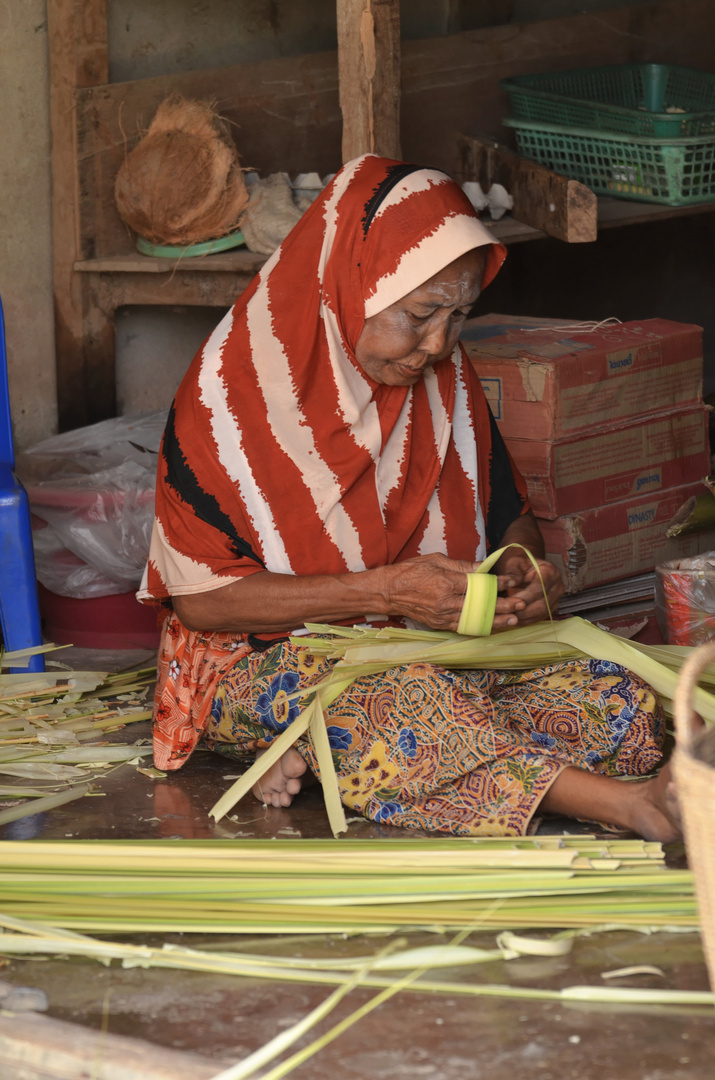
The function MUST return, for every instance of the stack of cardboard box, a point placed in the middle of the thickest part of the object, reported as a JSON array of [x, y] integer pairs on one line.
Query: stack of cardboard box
[[607, 427]]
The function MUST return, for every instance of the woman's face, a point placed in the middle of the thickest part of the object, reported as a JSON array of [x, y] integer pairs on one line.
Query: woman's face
[[399, 343]]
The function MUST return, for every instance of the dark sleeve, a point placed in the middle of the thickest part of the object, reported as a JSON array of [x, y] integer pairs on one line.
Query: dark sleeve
[[183, 481], [506, 501]]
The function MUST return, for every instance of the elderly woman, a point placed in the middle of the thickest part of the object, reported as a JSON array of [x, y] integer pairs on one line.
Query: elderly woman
[[330, 457]]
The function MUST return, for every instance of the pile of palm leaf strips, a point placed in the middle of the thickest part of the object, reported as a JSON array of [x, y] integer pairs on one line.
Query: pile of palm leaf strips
[[53, 728], [51, 891]]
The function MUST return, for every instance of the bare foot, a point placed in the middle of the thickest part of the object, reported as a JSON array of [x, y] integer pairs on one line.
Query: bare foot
[[649, 808], [283, 780], [656, 812]]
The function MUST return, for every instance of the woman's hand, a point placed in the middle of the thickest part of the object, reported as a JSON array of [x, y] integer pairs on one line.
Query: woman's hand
[[528, 588], [430, 589]]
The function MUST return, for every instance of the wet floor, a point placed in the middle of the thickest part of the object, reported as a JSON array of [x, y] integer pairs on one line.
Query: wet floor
[[412, 1035], [438, 1037]]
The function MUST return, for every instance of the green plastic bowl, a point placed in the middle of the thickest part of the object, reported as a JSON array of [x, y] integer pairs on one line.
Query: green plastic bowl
[[208, 247]]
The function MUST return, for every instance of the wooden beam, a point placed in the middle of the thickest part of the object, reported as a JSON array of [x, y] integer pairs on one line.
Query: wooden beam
[[78, 58], [34, 1047], [543, 199], [369, 74]]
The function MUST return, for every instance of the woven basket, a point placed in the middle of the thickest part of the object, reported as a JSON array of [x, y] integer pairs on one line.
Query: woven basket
[[696, 795]]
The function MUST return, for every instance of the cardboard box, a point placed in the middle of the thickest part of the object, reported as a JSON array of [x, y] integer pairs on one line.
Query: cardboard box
[[617, 462], [544, 379], [611, 542]]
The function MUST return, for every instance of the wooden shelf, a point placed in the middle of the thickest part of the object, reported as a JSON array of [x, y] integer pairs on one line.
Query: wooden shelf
[[240, 261], [612, 213]]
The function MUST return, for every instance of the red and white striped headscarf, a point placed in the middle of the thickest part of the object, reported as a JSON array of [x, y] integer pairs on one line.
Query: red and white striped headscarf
[[280, 452]]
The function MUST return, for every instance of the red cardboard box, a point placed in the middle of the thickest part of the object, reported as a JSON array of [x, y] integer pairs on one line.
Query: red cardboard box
[[544, 379], [617, 462], [611, 542]]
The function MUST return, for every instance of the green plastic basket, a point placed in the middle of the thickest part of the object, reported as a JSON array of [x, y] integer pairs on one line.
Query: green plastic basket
[[674, 171], [631, 99]]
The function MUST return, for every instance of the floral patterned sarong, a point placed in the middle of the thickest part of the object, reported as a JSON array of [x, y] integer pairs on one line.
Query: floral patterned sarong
[[464, 752]]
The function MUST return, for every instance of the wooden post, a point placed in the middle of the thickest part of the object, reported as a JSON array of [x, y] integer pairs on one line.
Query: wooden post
[[78, 58], [369, 72]]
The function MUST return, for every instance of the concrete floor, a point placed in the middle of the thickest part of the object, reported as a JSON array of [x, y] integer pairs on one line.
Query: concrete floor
[[412, 1035]]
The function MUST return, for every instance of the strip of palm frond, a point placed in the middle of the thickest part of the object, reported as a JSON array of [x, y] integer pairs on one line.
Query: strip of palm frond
[[285, 1039], [370, 650], [399, 855], [63, 783], [697, 512], [45, 803], [21, 657], [44, 718], [24, 938], [41, 702], [325, 886]]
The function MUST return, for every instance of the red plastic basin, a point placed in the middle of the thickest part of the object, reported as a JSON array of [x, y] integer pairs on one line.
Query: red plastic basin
[[102, 622]]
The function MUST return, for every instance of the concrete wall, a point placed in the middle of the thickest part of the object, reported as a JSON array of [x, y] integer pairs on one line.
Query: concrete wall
[[154, 347], [25, 219]]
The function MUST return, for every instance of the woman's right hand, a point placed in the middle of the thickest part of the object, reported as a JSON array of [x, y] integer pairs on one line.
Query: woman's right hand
[[430, 589]]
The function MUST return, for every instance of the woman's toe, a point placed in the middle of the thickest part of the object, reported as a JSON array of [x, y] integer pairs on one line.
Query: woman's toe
[[293, 765]]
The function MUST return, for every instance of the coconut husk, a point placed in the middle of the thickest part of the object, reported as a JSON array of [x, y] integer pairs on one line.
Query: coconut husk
[[182, 183]]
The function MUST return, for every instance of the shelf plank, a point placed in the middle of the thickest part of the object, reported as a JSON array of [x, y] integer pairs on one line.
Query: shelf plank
[[617, 212], [508, 230], [233, 262], [612, 213]]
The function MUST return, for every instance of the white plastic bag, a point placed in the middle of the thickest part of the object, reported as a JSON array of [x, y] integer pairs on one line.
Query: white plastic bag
[[92, 491]]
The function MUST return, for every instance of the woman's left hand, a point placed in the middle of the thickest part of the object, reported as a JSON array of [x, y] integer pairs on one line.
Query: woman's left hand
[[527, 585], [530, 588]]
